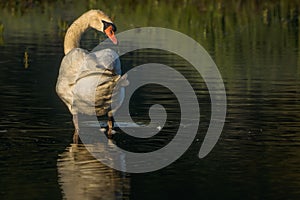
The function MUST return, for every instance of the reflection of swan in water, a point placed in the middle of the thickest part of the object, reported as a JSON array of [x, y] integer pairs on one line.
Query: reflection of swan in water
[[81, 176]]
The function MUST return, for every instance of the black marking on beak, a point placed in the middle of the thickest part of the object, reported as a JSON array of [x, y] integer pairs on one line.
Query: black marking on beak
[[107, 24]]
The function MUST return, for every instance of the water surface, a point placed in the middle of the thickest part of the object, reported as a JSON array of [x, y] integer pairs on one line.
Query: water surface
[[256, 48]]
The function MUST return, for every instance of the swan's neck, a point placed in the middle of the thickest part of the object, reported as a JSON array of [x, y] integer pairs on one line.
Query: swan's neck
[[74, 33]]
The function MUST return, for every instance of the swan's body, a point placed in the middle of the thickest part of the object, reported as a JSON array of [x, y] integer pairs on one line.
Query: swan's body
[[86, 80]]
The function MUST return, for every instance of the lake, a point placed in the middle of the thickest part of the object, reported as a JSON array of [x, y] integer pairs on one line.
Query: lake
[[256, 48]]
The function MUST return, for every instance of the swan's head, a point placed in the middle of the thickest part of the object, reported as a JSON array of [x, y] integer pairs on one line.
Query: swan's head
[[101, 22]]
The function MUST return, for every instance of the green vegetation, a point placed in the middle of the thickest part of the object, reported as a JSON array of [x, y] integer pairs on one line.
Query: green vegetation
[[1, 28], [1, 33], [228, 29], [204, 20], [198, 18]]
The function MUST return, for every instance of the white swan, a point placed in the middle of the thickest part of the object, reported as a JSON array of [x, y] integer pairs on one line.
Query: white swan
[[86, 81]]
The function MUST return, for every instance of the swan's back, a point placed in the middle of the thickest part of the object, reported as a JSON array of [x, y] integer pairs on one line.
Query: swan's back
[[94, 89], [108, 59], [87, 81]]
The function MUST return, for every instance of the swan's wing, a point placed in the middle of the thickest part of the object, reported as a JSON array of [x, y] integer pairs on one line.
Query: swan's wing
[[93, 88], [81, 73], [107, 59], [93, 93], [69, 72]]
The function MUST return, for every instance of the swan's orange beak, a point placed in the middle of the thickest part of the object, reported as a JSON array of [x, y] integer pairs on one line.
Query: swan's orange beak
[[111, 35]]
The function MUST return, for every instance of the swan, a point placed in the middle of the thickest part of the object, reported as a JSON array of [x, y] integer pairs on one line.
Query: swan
[[86, 80]]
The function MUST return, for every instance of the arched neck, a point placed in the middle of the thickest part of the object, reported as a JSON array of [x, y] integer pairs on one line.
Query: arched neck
[[74, 33]]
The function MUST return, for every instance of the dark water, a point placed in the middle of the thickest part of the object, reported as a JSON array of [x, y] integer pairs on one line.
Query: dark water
[[257, 156]]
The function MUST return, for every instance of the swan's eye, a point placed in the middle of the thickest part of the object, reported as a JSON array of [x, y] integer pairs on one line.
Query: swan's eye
[[114, 28], [108, 24]]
